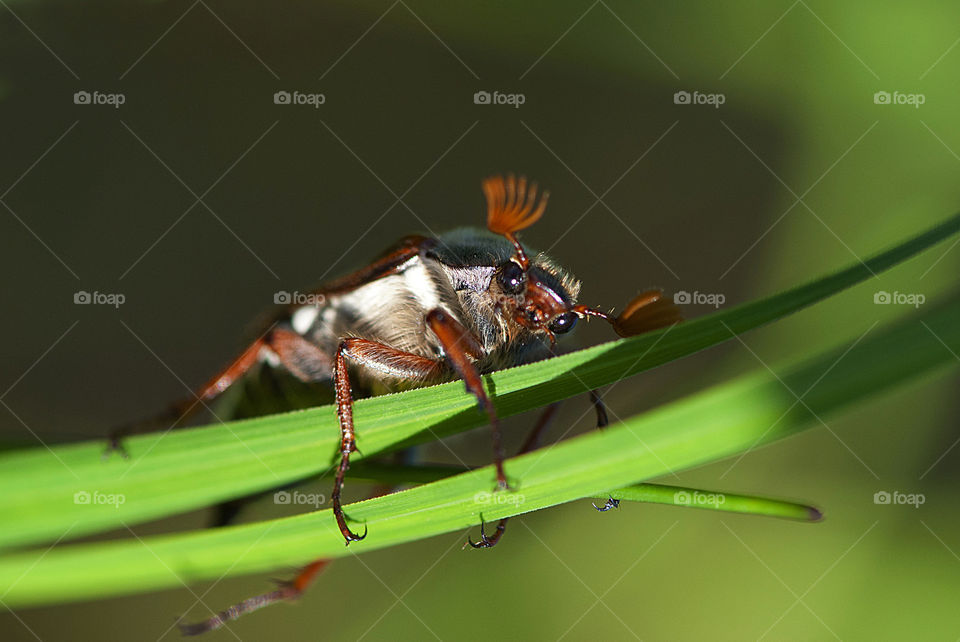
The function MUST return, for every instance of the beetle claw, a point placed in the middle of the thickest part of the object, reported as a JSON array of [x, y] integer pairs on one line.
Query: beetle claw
[[611, 503]]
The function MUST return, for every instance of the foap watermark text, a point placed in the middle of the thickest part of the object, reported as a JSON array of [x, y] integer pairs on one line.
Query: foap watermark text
[[882, 297], [296, 498], [697, 498], [82, 297], [899, 98], [698, 98], [896, 498], [494, 498], [716, 299], [283, 297], [498, 98], [299, 98], [96, 498], [98, 98]]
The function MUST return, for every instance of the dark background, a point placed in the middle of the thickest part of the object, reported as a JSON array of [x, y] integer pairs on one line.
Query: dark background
[[700, 199]]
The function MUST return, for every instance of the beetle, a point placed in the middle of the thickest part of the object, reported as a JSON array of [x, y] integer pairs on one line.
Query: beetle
[[428, 310]]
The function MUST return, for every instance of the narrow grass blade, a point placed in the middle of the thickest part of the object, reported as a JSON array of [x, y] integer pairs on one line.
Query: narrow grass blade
[[45, 489], [724, 420]]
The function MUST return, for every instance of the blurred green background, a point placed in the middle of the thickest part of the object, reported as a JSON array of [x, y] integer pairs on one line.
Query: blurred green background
[[695, 198]]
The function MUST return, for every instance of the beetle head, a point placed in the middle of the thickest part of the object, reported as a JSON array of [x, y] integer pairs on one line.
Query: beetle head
[[531, 294]]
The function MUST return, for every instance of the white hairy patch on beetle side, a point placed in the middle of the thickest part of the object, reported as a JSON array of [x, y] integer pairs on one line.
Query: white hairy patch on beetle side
[[421, 285], [475, 277], [303, 318]]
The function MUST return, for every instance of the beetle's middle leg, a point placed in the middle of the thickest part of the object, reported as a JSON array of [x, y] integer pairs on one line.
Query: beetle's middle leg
[[530, 443], [600, 407]]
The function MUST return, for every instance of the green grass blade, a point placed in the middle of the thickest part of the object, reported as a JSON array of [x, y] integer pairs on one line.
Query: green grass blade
[[682, 496], [187, 469], [719, 422], [713, 500]]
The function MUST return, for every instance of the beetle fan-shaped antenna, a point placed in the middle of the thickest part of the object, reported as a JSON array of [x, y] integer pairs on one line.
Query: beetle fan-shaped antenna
[[647, 311], [511, 207]]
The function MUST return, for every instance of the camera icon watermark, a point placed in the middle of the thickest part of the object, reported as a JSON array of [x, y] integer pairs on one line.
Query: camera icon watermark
[[296, 498], [896, 498], [487, 498], [299, 98], [82, 297], [96, 498], [696, 498], [498, 98], [698, 98], [716, 299], [882, 297], [899, 98], [507, 301], [282, 297], [98, 98]]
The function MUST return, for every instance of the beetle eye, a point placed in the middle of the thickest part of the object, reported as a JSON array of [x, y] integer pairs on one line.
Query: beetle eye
[[512, 278], [563, 323]]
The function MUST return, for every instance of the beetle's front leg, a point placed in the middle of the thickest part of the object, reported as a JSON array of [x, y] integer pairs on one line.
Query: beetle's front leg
[[459, 346], [385, 360]]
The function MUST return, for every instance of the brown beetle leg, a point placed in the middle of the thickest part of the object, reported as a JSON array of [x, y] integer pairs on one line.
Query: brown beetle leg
[[386, 361], [286, 590], [182, 409], [301, 352], [459, 345], [530, 443], [611, 503], [489, 542], [600, 407], [300, 357]]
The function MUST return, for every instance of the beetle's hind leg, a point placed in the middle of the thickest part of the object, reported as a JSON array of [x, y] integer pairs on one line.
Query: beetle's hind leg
[[187, 407], [296, 354], [286, 590]]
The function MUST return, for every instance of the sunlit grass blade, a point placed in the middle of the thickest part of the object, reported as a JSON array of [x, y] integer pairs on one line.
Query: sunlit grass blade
[[724, 420], [187, 469], [682, 496], [713, 500]]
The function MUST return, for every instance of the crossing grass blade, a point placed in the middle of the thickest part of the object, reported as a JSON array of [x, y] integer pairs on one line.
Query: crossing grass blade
[[182, 470], [719, 422]]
